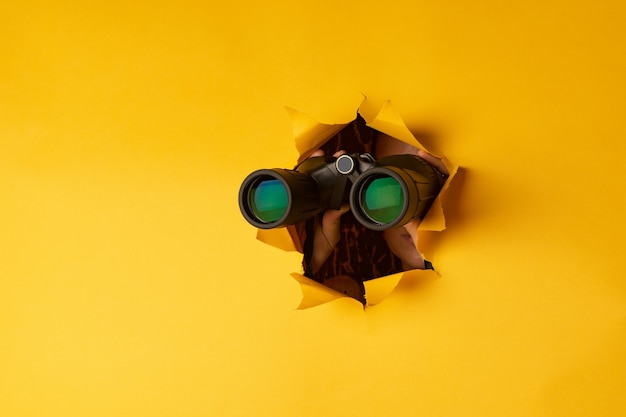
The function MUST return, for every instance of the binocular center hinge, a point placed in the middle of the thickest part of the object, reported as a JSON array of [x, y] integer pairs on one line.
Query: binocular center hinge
[[345, 164]]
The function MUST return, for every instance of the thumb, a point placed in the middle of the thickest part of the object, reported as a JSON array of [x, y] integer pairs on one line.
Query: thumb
[[333, 216], [326, 236]]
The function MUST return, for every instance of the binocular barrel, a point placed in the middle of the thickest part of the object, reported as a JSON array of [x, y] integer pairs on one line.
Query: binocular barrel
[[384, 194]]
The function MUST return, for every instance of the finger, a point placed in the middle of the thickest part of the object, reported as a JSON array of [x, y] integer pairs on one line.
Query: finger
[[332, 216], [318, 152], [326, 236], [339, 153], [434, 161]]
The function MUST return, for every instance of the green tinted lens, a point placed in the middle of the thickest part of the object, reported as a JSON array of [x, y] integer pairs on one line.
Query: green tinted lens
[[269, 200], [383, 199]]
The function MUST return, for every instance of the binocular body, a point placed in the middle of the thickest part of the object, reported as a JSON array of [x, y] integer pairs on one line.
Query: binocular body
[[382, 194]]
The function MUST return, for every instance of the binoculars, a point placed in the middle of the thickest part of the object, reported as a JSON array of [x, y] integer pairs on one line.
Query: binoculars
[[383, 194]]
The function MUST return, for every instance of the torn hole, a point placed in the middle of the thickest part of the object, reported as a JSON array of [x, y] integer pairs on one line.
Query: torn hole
[[352, 206]]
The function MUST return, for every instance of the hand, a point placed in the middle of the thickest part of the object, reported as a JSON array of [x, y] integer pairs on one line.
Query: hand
[[403, 240], [326, 231], [434, 161], [403, 243]]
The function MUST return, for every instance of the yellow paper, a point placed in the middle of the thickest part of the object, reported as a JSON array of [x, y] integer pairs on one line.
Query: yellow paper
[[387, 120], [313, 293], [130, 284], [310, 134], [279, 238]]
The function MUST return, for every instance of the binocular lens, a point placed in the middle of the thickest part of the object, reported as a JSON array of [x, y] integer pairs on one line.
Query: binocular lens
[[384, 194], [382, 199], [268, 199]]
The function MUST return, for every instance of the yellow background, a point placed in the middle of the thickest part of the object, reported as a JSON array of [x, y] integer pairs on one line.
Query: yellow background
[[131, 286]]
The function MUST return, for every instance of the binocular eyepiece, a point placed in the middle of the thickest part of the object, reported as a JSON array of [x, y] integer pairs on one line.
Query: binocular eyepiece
[[384, 193]]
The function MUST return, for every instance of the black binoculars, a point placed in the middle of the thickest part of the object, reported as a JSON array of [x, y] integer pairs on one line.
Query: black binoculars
[[384, 193]]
